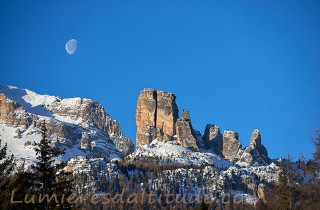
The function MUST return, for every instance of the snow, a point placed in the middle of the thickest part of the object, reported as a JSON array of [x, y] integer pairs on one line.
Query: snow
[[240, 197], [178, 154], [20, 151], [16, 146], [67, 119], [26, 153], [41, 104]]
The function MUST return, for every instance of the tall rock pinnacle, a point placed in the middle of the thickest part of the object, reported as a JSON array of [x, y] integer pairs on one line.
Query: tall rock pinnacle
[[145, 115], [185, 135], [167, 114], [156, 116], [231, 145]]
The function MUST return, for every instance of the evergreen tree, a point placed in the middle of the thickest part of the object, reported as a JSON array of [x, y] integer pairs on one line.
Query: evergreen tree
[[50, 179], [6, 168], [6, 163], [284, 192]]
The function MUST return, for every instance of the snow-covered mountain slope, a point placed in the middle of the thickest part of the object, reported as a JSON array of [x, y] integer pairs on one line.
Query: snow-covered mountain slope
[[172, 153], [80, 125], [203, 170], [22, 147]]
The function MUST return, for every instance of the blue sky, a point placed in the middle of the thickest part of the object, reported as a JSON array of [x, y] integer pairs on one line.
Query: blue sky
[[239, 64]]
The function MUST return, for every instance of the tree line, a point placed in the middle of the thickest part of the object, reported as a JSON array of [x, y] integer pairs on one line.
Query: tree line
[[291, 191]]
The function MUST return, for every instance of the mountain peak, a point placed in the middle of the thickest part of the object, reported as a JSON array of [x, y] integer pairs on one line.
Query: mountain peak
[[71, 122]]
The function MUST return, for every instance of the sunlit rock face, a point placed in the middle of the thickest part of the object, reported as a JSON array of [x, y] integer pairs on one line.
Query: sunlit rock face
[[146, 116], [231, 145], [167, 114], [11, 113], [74, 123], [256, 152], [184, 130], [156, 116], [255, 140]]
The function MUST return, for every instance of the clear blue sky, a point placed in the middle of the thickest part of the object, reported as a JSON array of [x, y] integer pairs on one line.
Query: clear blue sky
[[239, 64]]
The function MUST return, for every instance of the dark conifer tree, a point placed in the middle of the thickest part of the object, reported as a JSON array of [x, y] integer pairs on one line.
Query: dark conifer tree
[[50, 178], [284, 191], [6, 163], [6, 168]]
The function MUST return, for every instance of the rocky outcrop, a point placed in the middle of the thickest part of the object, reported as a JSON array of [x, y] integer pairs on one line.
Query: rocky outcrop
[[184, 131], [6, 107], [230, 145], [156, 116], [256, 152], [75, 108], [85, 142], [12, 114], [123, 144], [255, 140], [146, 116], [113, 127], [148, 134], [186, 115], [18, 134], [70, 122], [167, 114], [213, 138]]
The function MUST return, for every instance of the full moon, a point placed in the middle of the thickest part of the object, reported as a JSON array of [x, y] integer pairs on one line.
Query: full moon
[[71, 46]]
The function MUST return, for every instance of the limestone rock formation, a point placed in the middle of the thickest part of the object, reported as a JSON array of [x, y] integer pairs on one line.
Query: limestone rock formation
[[156, 116], [18, 132], [11, 113], [113, 127], [186, 115], [123, 144], [184, 131], [85, 141], [213, 138], [256, 152], [167, 114], [199, 139], [231, 145], [145, 116], [148, 134], [255, 140]]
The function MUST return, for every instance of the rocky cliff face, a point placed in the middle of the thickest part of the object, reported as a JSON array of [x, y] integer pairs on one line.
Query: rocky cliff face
[[230, 145], [12, 113], [167, 114], [213, 138], [146, 116], [184, 130], [156, 116], [255, 140], [256, 152], [72, 122]]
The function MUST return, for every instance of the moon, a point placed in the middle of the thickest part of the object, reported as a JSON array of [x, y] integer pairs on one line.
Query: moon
[[71, 46]]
